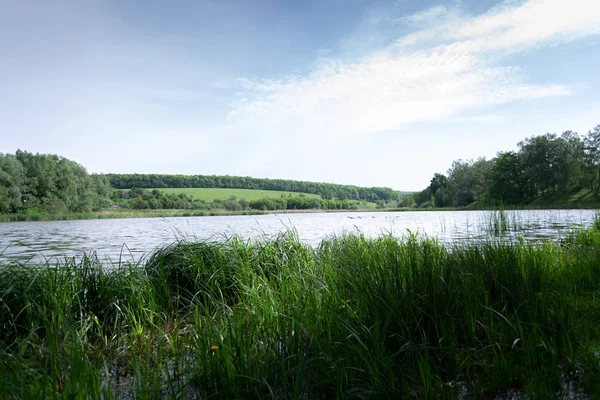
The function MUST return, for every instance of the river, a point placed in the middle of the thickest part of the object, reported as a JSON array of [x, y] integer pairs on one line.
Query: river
[[133, 239]]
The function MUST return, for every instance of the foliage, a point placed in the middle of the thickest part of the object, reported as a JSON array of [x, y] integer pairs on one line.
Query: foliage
[[592, 158], [543, 165], [303, 203], [49, 183], [508, 182], [212, 194]]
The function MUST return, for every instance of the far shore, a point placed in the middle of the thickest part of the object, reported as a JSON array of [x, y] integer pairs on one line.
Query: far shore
[[119, 214]]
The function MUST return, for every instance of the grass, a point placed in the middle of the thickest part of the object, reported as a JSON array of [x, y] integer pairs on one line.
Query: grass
[[501, 222], [353, 318], [210, 194], [577, 198]]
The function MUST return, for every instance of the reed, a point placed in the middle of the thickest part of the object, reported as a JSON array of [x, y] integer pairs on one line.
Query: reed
[[354, 317]]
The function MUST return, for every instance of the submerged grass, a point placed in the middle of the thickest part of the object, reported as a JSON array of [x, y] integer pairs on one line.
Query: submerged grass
[[353, 318]]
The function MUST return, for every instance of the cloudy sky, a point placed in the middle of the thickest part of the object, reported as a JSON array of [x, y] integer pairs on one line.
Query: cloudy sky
[[372, 93]]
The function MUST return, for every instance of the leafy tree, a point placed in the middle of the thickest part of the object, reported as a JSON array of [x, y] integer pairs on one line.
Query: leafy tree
[[508, 184], [443, 197], [539, 160], [468, 180], [232, 205], [592, 158], [438, 181], [138, 203], [572, 170], [12, 183], [407, 200], [315, 204], [54, 184]]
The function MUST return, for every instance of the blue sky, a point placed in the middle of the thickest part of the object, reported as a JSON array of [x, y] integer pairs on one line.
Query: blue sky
[[372, 93]]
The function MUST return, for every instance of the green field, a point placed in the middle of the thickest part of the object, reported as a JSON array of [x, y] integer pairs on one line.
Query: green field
[[210, 194]]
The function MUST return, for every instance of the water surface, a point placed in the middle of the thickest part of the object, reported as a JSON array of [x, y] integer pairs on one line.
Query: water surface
[[131, 239]]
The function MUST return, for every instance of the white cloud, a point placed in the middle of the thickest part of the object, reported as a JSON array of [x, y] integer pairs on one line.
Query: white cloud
[[428, 16], [397, 85], [510, 26]]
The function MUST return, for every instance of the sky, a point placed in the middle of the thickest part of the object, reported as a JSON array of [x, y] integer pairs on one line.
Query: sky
[[370, 93]]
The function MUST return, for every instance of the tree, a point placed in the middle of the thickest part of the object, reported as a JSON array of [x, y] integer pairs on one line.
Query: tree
[[12, 183], [54, 184], [508, 184], [572, 170], [138, 203], [102, 191], [315, 204], [467, 180], [538, 156], [407, 200], [592, 158], [438, 181], [232, 205]]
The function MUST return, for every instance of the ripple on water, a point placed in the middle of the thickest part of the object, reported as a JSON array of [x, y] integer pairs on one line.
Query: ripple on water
[[117, 239]]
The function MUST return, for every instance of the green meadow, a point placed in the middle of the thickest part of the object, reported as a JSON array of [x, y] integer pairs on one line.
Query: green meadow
[[354, 317], [210, 194]]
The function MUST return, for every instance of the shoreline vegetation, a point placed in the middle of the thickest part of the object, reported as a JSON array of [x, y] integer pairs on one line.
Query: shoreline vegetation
[[359, 317], [116, 214], [127, 213]]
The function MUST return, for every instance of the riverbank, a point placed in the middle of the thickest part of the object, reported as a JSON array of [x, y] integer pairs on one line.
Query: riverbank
[[115, 214], [378, 318], [123, 213]]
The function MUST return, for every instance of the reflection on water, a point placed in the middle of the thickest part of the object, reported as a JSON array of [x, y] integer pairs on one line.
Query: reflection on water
[[131, 239]]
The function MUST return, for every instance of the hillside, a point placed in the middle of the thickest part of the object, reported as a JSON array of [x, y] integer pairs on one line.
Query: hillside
[[211, 194], [577, 198], [324, 190]]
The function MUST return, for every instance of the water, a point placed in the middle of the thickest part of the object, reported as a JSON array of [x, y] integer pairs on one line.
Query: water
[[132, 239]]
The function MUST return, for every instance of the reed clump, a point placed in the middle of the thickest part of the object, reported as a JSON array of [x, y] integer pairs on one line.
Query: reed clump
[[354, 317]]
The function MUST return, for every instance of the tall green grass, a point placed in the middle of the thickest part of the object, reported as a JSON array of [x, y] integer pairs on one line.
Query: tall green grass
[[352, 318], [500, 222]]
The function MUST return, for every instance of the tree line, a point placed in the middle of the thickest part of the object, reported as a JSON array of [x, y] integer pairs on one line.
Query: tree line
[[49, 183], [155, 199], [542, 164], [325, 190]]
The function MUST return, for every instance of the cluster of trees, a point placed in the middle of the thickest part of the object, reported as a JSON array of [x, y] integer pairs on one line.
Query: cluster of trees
[[49, 183], [303, 203], [155, 199], [325, 190], [140, 199], [542, 164]]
